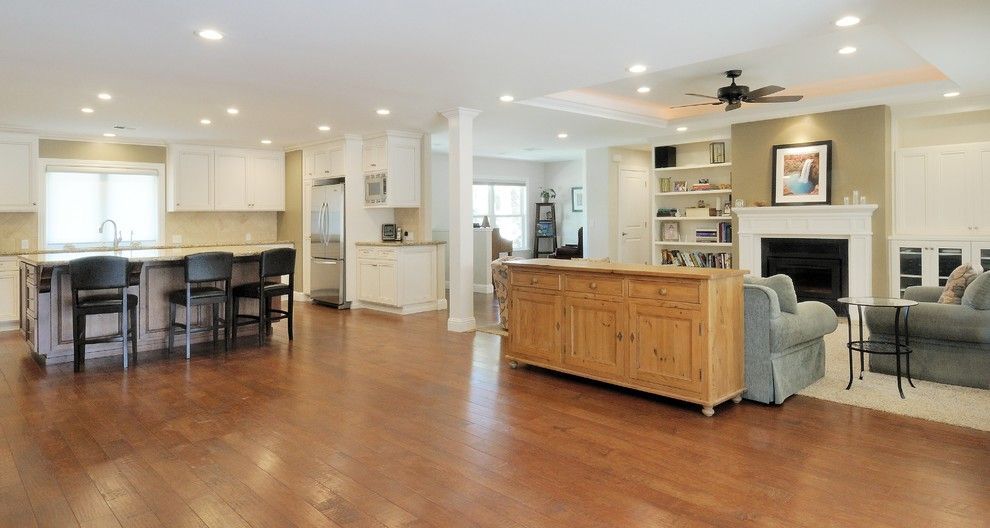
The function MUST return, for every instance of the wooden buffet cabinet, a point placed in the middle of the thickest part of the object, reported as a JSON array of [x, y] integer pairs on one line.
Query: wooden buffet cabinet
[[676, 332]]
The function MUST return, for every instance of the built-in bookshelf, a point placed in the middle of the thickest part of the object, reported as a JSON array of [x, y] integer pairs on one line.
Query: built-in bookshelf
[[697, 191]]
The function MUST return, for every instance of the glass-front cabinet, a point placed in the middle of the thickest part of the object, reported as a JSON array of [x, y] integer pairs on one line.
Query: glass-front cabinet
[[929, 263]]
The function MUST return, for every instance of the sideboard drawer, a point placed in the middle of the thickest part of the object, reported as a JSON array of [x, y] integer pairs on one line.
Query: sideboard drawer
[[666, 290], [592, 284], [546, 281]]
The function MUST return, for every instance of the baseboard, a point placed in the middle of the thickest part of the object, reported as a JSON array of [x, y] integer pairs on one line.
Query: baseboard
[[461, 324], [429, 306], [10, 325]]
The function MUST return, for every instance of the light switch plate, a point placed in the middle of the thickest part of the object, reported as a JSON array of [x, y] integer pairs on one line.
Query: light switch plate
[[176, 239], [24, 243], [247, 237]]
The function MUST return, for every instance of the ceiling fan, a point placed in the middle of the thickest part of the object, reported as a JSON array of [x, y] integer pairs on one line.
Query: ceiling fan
[[735, 95]]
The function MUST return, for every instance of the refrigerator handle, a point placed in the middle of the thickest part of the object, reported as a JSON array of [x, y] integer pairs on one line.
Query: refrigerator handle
[[319, 222], [326, 224]]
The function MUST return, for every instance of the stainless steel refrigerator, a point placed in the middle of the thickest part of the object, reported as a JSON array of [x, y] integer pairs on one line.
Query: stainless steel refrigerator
[[326, 243]]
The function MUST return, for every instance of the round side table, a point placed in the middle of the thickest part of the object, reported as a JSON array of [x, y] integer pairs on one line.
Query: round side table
[[897, 348]]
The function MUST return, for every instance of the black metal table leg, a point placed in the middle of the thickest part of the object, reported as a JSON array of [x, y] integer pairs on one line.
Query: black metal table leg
[[897, 347], [849, 327], [862, 363], [907, 343]]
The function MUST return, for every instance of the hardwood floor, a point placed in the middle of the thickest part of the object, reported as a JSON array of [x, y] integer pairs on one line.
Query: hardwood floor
[[373, 420]]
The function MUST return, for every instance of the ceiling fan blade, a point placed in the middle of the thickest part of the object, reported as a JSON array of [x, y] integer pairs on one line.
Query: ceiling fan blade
[[697, 104], [763, 92], [732, 106], [777, 99], [705, 96]]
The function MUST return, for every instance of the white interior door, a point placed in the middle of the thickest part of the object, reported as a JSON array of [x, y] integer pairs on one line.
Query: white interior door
[[634, 236]]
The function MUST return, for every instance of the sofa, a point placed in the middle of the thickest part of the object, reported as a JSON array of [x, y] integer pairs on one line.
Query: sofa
[[950, 342], [784, 339]]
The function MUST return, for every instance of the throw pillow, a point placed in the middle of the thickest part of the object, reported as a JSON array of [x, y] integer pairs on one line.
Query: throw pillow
[[781, 284], [978, 293], [956, 284]]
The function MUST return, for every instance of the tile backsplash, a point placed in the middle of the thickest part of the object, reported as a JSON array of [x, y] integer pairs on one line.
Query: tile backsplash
[[15, 227]]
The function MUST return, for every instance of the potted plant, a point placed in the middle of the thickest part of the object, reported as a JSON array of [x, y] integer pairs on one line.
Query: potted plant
[[547, 194]]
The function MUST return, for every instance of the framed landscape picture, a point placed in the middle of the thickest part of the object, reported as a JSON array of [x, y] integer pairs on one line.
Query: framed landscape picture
[[802, 173], [577, 199]]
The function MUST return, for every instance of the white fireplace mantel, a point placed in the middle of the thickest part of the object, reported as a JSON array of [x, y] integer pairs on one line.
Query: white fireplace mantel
[[849, 222]]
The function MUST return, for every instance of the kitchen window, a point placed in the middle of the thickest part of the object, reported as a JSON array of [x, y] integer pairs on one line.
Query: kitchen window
[[79, 198], [505, 206]]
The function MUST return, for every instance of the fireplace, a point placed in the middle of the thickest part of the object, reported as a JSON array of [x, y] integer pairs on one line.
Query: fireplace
[[819, 267]]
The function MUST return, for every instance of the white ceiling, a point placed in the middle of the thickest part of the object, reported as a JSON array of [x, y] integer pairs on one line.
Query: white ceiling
[[292, 65]]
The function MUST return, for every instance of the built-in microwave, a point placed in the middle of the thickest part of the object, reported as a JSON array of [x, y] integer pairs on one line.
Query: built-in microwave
[[375, 188]]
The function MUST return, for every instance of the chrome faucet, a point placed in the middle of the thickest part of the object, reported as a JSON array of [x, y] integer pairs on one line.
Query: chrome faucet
[[117, 237]]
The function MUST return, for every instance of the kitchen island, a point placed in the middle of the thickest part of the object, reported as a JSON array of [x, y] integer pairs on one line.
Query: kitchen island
[[672, 331], [46, 298], [403, 277]]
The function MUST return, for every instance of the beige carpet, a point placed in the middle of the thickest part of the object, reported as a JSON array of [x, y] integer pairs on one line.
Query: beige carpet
[[493, 329], [949, 404]]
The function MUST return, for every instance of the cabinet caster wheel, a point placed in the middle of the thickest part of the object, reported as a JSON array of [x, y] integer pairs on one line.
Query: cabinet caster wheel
[[737, 399], [708, 411], [513, 364]]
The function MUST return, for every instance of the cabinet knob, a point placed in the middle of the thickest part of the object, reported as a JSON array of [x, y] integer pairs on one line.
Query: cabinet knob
[[663, 291], [593, 286]]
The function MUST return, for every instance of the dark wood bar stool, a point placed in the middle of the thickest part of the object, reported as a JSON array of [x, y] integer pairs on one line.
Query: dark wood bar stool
[[274, 264], [200, 268], [90, 274]]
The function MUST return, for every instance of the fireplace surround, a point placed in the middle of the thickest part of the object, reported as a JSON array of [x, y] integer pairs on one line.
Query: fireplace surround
[[818, 267]]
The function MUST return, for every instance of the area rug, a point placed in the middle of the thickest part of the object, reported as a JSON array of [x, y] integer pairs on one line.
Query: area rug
[[493, 329], [949, 404]]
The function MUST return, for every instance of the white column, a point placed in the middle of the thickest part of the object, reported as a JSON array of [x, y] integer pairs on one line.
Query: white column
[[460, 131]]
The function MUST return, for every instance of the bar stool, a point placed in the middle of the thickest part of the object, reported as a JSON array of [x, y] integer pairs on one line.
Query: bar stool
[[274, 264], [210, 266], [101, 273]]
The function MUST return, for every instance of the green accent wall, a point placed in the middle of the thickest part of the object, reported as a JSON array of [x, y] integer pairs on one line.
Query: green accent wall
[[290, 221], [96, 151]]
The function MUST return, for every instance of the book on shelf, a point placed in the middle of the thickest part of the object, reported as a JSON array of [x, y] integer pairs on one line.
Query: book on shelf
[[695, 259], [706, 235], [725, 231]]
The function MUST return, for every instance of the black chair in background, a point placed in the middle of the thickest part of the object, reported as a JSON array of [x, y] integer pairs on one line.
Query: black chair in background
[[570, 251], [274, 264], [90, 274], [201, 268]]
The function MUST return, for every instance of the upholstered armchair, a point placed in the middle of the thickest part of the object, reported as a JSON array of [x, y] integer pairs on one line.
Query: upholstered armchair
[[500, 245], [500, 279], [785, 345]]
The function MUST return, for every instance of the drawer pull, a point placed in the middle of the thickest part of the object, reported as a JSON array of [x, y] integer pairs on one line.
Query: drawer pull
[[593, 286], [663, 291]]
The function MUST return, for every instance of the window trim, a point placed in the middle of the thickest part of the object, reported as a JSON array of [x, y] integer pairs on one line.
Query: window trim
[[44, 164], [491, 205]]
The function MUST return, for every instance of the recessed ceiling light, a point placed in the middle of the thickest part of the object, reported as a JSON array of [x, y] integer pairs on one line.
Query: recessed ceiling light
[[266, 142], [109, 134], [562, 135], [682, 129], [847, 50], [210, 34], [205, 121], [636, 68], [847, 21], [233, 111], [950, 94], [506, 98], [104, 96], [86, 110], [383, 111], [323, 128], [643, 89]]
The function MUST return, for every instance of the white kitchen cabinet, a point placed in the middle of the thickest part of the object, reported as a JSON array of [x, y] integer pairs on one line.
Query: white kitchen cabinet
[[943, 190], [10, 294], [400, 278], [324, 161], [18, 157], [399, 156], [929, 262], [203, 178]]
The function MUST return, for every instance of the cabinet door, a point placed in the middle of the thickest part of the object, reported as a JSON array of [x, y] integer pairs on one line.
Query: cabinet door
[[666, 345], [369, 285], [336, 162], [945, 257], [267, 189], [910, 191], [373, 157], [944, 212], [388, 283], [980, 187], [595, 335], [15, 176], [321, 164], [981, 255], [9, 296], [403, 173], [908, 265], [230, 188], [192, 181], [534, 325]]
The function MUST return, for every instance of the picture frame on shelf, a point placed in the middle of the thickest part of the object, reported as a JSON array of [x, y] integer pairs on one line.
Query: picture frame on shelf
[[802, 173], [577, 199], [670, 232], [717, 151], [545, 228], [665, 185], [680, 186]]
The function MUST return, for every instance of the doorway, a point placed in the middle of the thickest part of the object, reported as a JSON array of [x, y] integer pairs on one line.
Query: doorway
[[634, 232]]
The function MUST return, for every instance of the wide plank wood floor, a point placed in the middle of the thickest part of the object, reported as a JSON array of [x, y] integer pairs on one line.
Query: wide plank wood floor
[[372, 420]]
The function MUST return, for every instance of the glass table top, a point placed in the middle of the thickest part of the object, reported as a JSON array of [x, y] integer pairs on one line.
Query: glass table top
[[878, 302]]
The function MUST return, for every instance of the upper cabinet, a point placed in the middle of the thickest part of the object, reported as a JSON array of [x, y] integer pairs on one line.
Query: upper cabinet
[[399, 156], [18, 158], [204, 178], [324, 161], [943, 190]]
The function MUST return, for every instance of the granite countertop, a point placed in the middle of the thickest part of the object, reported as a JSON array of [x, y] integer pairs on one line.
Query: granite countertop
[[379, 243], [624, 269], [147, 254], [39, 251]]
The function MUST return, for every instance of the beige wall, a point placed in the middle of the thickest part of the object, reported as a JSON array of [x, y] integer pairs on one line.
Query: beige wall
[[947, 129], [861, 152], [91, 150], [290, 221], [15, 227]]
